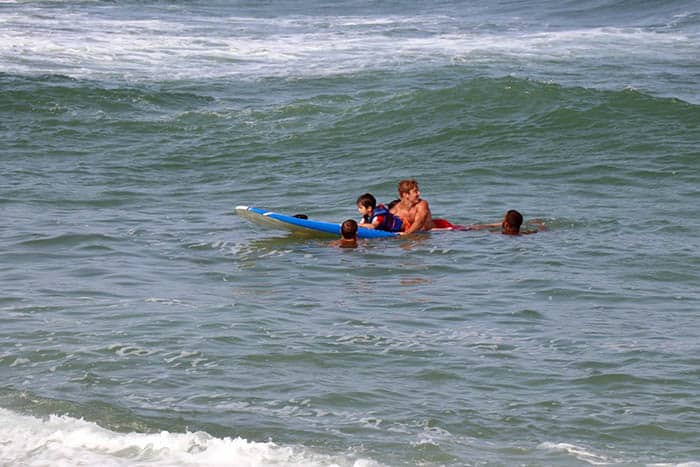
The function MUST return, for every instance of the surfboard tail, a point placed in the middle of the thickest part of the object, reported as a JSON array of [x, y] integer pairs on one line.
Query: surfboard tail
[[447, 225]]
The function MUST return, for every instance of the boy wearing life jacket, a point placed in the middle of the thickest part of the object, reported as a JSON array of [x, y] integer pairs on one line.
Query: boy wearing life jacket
[[376, 216]]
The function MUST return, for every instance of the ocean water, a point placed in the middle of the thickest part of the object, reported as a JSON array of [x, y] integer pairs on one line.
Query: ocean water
[[143, 323]]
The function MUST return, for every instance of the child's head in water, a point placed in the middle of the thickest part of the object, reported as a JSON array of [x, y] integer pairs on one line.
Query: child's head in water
[[512, 222], [348, 229], [348, 233]]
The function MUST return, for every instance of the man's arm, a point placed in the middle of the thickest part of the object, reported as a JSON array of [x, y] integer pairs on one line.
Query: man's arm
[[376, 222], [484, 226], [539, 224]]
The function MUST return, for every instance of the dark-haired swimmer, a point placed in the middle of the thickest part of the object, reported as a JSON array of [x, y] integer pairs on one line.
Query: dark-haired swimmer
[[510, 225], [348, 235]]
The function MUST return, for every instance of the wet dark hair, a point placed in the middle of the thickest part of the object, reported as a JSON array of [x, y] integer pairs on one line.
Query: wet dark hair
[[392, 204], [514, 218], [348, 229], [301, 216], [367, 201]]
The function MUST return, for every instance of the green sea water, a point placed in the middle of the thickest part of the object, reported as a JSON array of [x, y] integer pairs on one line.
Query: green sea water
[[143, 323]]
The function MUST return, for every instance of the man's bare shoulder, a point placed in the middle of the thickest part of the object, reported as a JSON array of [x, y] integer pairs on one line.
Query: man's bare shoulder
[[422, 205]]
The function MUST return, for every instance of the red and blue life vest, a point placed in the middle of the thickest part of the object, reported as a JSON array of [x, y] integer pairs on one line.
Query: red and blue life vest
[[389, 222]]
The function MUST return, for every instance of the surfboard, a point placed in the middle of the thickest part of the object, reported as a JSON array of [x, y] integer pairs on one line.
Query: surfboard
[[308, 227]]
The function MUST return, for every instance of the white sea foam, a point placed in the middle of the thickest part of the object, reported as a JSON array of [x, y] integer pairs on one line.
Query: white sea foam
[[20, 362], [67, 441], [93, 44], [129, 350], [579, 452], [168, 301]]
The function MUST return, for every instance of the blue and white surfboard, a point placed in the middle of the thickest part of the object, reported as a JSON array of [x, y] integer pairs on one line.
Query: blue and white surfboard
[[307, 227]]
